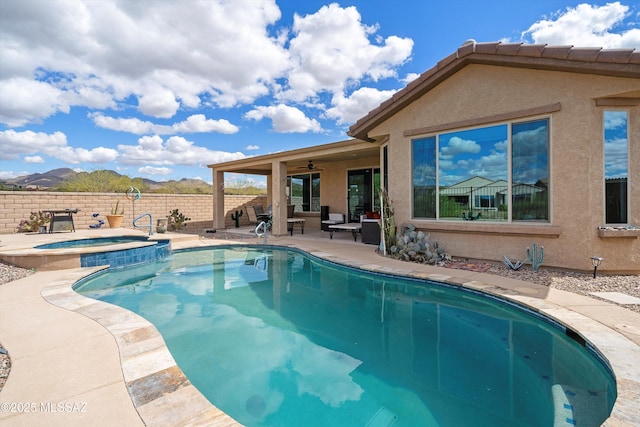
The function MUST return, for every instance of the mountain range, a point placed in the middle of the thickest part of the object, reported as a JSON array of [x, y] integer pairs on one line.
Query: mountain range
[[54, 177]]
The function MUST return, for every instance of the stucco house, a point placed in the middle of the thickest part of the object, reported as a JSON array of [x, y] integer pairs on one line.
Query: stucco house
[[535, 143]]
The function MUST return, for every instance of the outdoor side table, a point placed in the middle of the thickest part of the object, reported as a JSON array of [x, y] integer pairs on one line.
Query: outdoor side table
[[293, 221], [354, 227]]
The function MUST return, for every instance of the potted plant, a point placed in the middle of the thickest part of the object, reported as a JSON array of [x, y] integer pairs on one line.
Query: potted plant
[[116, 217], [37, 222]]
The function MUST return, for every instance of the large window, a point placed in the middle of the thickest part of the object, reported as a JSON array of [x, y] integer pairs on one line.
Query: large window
[[494, 173], [303, 190], [616, 166]]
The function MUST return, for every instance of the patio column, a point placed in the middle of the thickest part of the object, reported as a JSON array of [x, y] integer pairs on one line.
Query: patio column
[[218, 200], [279, 198]]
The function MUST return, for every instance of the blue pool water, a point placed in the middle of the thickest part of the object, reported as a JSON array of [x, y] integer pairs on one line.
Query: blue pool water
[[274, 337]]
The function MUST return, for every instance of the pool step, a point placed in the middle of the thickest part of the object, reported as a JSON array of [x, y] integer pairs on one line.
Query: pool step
[[382, 418], [573, 406]]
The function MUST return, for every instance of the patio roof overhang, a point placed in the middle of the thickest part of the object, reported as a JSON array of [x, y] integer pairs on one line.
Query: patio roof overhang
[[298, 159]]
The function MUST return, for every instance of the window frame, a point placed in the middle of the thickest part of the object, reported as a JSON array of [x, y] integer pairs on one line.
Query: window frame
[[510, 184], [604, 167], [313, 195]]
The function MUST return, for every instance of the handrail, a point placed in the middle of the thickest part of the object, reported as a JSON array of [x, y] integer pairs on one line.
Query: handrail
[[150, 226], [256, 263], [262, 225]]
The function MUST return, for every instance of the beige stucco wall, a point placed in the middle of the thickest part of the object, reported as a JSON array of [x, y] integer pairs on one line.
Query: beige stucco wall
[[17, 205], [576, 169]]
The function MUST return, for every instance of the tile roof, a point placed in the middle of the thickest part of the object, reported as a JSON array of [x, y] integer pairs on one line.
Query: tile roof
[[610, 62]]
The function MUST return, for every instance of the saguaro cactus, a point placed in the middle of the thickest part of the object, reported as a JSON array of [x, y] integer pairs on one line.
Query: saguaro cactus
[[236, 217], [535, 257]]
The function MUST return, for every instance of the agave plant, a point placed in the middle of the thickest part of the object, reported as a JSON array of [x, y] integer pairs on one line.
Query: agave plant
[[511, 265]]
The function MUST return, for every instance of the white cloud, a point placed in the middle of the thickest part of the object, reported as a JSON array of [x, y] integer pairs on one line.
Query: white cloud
[[285, 119], [57, 55], [14, 144], [158, 102], [33, 159], [199, 123], [165, 55], [586, 25], [196, 123], [176, 150], [150, 170], [82, 155], [331, 48], [24, 100], [458, 145], [410, 77], [358, 104], [615, 119], [252, 147], [11, 174]]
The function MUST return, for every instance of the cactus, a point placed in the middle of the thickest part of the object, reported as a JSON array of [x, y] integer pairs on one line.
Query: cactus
[[116, 210], [536, 258], [514, 266], [236, 217]]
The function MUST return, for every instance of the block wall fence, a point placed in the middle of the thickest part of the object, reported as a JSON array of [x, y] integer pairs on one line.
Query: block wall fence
[[18, 205]]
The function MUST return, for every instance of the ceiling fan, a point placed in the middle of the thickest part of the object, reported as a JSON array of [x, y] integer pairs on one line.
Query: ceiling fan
[[310, 166]]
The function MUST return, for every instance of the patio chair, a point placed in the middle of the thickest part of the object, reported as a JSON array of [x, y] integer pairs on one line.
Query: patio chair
[[334, 218], [254, 213]]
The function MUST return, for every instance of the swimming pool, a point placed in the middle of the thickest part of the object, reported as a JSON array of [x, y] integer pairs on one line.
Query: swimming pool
[[274, 337]]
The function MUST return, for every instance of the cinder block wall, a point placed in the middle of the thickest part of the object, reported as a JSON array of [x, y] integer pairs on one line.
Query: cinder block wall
[[17, 205]]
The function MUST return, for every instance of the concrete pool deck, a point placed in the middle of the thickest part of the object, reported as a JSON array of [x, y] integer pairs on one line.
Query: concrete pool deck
[[77, 361]]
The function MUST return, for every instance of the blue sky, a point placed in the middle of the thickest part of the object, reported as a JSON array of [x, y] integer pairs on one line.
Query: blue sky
[[159, 89]]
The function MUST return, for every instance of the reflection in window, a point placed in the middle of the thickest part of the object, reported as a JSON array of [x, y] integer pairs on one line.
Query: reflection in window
[[616, 166], [304, 192], [385, 166], [530, 170], [424, 178], [472, 174]]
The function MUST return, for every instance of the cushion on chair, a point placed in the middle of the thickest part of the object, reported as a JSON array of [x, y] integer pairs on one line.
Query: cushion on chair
[[338, 217], [334, 218]]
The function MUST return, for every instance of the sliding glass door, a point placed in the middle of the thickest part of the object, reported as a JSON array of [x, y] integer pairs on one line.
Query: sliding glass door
[[362, 194]]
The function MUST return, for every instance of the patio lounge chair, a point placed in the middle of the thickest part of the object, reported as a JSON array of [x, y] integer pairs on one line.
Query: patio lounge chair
[[256, 214], [334, 218]]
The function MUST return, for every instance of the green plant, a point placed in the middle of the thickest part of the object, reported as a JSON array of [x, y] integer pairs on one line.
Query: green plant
[[388, 223], [178, 219], [115, 211], [35, 221]]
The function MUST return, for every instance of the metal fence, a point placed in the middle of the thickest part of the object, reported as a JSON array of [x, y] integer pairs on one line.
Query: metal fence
[[489, 203]]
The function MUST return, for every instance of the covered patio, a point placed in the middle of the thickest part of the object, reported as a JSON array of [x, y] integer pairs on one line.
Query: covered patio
[[340, 177]]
